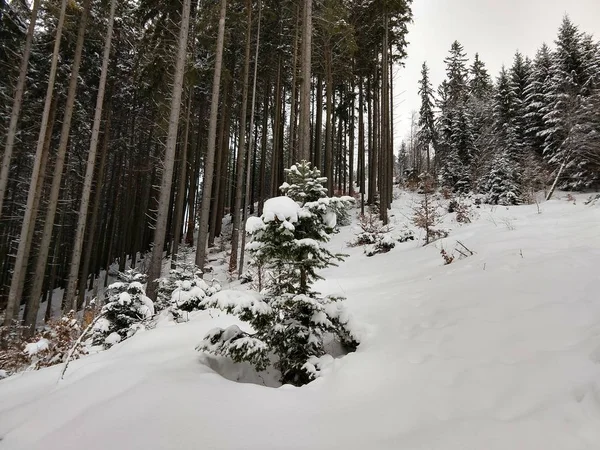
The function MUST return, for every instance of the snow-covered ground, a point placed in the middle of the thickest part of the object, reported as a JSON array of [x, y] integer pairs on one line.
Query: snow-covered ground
[[497, 351]]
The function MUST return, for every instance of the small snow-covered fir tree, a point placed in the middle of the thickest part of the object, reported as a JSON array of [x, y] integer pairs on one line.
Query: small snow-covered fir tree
[[287, 242], [304, 184], [183, 289], [290, 321], [127, 310], [501, 185]]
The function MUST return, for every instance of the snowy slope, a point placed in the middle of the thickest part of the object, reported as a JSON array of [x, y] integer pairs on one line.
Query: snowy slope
[[498, 351]]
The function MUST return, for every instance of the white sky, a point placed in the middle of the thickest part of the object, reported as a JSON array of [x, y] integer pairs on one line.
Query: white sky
[[493, 28]]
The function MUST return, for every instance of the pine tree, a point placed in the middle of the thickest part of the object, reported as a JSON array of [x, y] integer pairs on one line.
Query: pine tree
[[537, 98], [427, 132], [291, 321], [568, 79], [126, 311], [519, 75], [305, 184]]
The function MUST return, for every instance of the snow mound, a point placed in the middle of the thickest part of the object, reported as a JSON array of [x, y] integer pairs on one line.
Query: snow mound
[[283, 208]]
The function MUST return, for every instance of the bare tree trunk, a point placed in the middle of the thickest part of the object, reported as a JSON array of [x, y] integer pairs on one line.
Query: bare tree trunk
[[209, 163], [304, 143], [263, 150], [160, 231], [179, 203], [251, 141], [329, 121], [239, 184], [28, 219], [38, 196], [70, 298], [17, 103], [361, 145], [44, 248], [318, 124], [351, 143], [91, 247], [385, 128], [293, 150]]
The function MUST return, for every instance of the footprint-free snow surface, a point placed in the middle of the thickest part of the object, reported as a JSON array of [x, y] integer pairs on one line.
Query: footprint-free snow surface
[[497, 351]]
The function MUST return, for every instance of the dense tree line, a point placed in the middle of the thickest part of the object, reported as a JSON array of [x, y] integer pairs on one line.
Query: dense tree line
[[537, 123], [129, 128]]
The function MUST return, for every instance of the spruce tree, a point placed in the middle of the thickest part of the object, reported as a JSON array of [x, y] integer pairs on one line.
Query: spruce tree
[[427, 132]]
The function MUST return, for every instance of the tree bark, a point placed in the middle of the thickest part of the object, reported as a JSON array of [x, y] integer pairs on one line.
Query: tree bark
[[160, 231], [180, 199], [17, 103], [209, 163], [304, 144], [70, 298], [239, 184], [28, 221]]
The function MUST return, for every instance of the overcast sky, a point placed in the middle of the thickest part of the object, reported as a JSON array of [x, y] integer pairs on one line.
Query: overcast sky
[[493, 28]]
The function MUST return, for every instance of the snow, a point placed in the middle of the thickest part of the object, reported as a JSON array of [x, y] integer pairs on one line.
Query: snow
[[500, 350], [254, 224], [283, 208], [34, 348], [112, 339]]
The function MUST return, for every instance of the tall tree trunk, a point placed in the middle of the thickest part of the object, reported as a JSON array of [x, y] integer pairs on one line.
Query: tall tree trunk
[[154, 270], [276, 152], [70, 298], [242, 154], [17, 103], [263, 150], [329, 121], [91, 246], [318, 163], [38, 196], [304, 143], [361, 145], [28, 219], [293, 150], [209, 163], [385, 128], [65, 131], [180, 201], [351, 143], [252, 141]]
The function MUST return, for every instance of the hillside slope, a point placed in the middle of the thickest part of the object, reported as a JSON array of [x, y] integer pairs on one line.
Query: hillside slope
[[497, 351]]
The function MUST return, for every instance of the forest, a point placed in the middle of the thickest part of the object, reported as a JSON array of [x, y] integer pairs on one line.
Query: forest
[[132, 128]]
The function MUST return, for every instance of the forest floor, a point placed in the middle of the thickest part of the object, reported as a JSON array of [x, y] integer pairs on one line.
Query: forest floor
[[496, 351]]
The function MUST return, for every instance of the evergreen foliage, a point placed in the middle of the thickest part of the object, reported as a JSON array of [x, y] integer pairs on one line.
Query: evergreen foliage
[[290, 320], [126, 311], [183, 289]]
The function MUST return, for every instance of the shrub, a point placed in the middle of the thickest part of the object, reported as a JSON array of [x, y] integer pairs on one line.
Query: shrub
[[127, 310], [289, 329], [183, 289]]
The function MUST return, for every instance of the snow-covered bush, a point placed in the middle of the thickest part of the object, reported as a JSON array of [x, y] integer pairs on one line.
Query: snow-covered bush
[[377, 237], [12, 344], [427, 217], [501, 182], [53, 344], [183, 289], [127, 310], [289, 331], [462, 210], [50, 345]]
